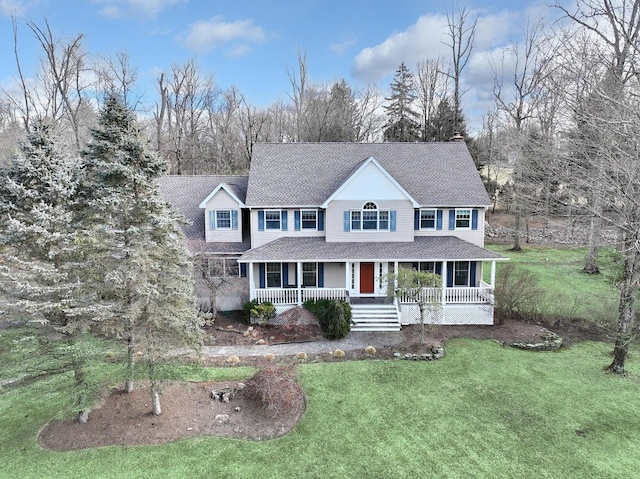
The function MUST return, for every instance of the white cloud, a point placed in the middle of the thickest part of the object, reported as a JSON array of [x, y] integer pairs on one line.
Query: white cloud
[[15, 7], [130, 8], [206, 35]]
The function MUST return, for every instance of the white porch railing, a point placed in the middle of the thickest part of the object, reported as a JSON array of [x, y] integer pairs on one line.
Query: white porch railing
[[290, 295], [453, 295]]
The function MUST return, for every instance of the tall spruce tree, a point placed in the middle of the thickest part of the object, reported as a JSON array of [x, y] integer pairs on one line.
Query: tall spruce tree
[[40, 256], [402, 122], [141, 272]]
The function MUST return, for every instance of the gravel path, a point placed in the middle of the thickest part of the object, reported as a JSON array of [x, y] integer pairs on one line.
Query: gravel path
[[353, 342]]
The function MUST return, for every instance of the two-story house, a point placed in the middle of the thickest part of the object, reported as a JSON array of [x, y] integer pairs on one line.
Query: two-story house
[[331, 220]]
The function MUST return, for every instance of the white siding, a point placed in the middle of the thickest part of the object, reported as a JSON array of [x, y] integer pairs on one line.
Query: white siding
[[371, 178], [404, 221], [334, 275], [258, 238], [222, 201], [472, 236]]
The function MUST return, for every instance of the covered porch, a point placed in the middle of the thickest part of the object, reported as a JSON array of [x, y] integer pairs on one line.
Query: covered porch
[[289, 271]]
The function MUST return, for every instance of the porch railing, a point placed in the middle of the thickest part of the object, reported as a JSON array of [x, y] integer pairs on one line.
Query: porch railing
[[290, 295], [451, 295]]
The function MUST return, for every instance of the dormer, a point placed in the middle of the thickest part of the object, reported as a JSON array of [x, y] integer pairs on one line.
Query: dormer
[[223, 214]]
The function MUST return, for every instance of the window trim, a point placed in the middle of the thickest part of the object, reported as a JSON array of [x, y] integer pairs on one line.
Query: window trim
[[266, 221], [217, 219], [461, 210], [267, 272], [435, 219], [315, 271], [302, 228], [431, 263]]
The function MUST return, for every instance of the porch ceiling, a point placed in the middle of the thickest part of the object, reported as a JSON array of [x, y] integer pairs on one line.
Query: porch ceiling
[[436, 248]]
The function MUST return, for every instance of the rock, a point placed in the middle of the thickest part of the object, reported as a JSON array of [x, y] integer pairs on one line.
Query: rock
[[260, 342], [338, 353], [301, 355], [237, 409], [221, 418], [269, 356], [370, 350], [397, 355], [550, 342]]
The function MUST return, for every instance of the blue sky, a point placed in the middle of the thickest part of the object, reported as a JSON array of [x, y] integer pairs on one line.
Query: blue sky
[[251, 43]]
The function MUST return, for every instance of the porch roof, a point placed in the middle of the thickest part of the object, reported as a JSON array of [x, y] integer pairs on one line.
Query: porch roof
[[424, 248]]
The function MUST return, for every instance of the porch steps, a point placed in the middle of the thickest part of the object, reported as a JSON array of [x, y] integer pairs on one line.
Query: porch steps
[[374, 317]]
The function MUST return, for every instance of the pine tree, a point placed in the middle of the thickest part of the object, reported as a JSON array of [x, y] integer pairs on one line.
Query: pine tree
[[403, 119], [141, 272], [40, 260]]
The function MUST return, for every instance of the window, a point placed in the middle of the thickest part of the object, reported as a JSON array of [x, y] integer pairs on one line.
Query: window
[[370, 218], [463, 219], [223, 267], [309, 274], [427, 219], [309, 219], [461, 273], [427, 266], [272, 219], [274, 275], [223, 219]]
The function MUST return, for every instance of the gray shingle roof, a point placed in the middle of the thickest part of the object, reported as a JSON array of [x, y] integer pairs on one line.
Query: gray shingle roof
[[306, 174], [424, 248], [185, 192]]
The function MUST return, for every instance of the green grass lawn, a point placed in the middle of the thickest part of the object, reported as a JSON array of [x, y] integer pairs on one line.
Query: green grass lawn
[[569, 293], [483, 411]]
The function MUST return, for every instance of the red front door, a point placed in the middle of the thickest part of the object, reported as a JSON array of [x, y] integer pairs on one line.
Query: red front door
[[366, 278]]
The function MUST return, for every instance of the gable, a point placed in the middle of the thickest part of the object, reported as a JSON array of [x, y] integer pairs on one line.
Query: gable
[[222, 195], [370, 182]]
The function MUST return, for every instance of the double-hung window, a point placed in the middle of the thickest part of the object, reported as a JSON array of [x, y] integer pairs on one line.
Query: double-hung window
[[461, 273], [309, 274], [427, 219], [223, 219], [272, 219], [463, 219], [427, 266], [274, 275], [309, 219]]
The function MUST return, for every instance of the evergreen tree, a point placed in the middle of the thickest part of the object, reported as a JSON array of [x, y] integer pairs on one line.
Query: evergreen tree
[[40, 260], [403, 119], [141, 272], [443, 124]]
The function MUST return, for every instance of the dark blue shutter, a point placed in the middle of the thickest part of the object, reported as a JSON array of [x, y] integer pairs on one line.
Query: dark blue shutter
[[416, 220], [243, 270], [296, 220], [392, 220], [212, 219], [474, 219], [450, 274], [414, 266], [321, 220], [452, 219], [320, 275], [261, 275], [283, 217], [261, 220], [439, 268], [234, 219], [347, 220], [472, 274], [285, 275], [439, 219]]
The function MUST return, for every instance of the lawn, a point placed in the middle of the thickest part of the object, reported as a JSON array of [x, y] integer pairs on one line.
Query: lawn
[[482, 411], [569, 293]]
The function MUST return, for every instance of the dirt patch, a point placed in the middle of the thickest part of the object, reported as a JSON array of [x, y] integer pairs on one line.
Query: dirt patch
[[188, 410]]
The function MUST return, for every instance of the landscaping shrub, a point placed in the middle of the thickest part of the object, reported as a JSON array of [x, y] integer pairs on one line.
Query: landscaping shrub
[[259, 313], [517, 294], [247, 307], [335, 319], [275, 387], [316, 306]]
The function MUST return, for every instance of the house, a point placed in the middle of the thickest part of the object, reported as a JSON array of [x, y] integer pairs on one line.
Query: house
[[330, 220]]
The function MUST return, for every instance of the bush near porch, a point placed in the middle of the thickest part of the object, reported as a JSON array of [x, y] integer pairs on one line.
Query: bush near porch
[[334, 316]]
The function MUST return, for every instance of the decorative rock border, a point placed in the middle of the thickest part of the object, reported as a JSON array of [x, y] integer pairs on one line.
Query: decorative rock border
[[435, 352], [550, 342]]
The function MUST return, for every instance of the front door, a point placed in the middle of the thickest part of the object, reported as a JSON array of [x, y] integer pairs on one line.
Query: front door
[[366, 278]]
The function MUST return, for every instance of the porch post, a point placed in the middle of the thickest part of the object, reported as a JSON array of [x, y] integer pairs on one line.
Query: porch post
[[493, 274], [347, 273], [252, 285], [444, 283], [299, 285], [395, 278]]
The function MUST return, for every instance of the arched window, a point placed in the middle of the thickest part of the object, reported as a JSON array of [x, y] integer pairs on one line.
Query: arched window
[[370, 218]]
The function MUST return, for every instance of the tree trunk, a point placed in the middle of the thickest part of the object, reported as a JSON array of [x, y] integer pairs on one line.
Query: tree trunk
[[627, 309], [77, 363], [155, 397], [421, 308], [591, 265], [516, 240], [131, 358]]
